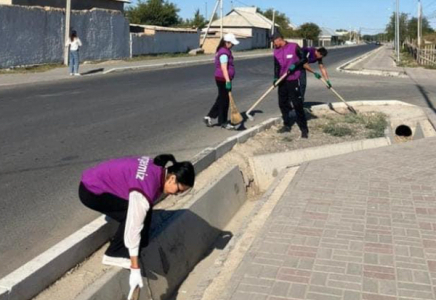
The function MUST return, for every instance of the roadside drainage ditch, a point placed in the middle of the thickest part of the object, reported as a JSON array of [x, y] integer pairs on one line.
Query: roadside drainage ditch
[[189, 233]]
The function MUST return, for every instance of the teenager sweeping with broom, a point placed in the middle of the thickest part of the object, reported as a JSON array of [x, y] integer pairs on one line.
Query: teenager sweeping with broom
[[224, 74], [125, 189]]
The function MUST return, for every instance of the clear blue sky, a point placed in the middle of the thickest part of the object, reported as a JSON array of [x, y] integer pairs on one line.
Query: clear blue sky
[[370, 15]]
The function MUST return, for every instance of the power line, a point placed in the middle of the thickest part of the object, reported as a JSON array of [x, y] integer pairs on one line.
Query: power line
[[428, 5], [242, 3]]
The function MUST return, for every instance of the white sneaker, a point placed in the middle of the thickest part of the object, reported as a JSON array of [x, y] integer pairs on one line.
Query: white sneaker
[[208, 121], [77, 74], [71, 74], [116, 261], [228, 126]]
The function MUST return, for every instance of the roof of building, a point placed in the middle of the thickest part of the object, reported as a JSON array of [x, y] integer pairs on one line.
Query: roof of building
[[244, 17], [327, 32], [161, 28]]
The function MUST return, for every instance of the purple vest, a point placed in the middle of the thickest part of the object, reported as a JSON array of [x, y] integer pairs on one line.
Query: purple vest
[[286, 56], [230, 66], [310, 52], [121, 176]]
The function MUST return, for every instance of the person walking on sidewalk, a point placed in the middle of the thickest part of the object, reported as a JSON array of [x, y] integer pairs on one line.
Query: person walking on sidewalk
[[125, 189], [224, 74], [74, 44], [313, 55], [290, 59]]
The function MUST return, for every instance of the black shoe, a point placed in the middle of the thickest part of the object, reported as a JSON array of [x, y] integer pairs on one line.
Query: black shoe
[[284, 129], [305, 134]]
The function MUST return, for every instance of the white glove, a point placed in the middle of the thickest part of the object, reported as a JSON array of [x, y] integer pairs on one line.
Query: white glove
[[135, 280]]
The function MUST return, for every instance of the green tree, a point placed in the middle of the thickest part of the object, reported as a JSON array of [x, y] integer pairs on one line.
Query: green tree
[[280, 19], [390, 28], [412, 27], [154, 12], [309, 31], [198, 21]]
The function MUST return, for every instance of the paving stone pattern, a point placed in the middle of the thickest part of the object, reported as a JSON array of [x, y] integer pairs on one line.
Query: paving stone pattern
[[356, 227]]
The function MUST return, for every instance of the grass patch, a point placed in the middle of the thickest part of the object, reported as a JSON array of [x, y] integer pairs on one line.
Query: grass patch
[[377, 123], [347, 125], [31, 69], [337, 130], [408, 61], [158, 56]]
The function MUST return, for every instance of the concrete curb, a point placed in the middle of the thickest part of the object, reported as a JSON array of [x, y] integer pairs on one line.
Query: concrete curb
[[178, 245], [266, 167], [197, 62], [45, 269], [361, 103], [386, 73], [181, 63], [34, 276], [431, 115]]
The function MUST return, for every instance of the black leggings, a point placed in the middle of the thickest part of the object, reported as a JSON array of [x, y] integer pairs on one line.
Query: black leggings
[[115, 208], [220, 109]]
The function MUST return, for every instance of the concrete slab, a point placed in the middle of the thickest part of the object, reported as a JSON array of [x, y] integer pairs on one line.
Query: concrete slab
[[225, 147], [36, 275], [245, 135], [266, 167], [4, 294], [419, 134], [204, 159]]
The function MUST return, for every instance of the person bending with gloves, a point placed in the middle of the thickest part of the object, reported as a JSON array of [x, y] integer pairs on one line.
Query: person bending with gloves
[[313, 55], [289, 59], [125, 189]]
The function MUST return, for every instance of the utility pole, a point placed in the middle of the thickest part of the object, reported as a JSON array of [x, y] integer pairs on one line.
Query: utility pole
[[398, 30], [67, 30], [273, 26], [222, 17], [419, 23], [210, 22]]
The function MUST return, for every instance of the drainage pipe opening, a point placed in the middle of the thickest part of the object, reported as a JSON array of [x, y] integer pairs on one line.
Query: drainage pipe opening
[[403, 131]]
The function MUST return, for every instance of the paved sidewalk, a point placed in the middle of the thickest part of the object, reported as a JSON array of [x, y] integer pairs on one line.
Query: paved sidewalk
[[117, 65], [382, 60], [358, 226]]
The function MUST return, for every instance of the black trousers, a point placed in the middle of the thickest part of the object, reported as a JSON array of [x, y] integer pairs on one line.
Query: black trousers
[[289, 93], [115, 208], [220, 109], [303, 84]]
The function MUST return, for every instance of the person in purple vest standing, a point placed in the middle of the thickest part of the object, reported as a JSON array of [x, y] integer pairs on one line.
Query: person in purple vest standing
[[290, 59], [313, 55], [125, 189], [224, 74]]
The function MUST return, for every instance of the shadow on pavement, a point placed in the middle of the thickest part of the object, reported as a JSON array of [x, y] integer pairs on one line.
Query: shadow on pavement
[[180, 239], [99, 70]]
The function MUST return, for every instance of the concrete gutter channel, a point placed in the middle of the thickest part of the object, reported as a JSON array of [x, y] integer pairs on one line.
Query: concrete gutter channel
[[182, 237]]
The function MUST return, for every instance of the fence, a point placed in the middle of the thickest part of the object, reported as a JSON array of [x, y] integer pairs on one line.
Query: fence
[[425, 56]]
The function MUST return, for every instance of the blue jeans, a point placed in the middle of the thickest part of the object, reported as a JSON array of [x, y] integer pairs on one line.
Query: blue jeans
[[74, 61]]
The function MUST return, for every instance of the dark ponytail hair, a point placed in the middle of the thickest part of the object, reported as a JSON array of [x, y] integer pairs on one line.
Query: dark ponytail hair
[[220, 45], [184, 171]]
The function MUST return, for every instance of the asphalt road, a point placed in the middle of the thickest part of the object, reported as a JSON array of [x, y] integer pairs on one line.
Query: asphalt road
[[49, 133]]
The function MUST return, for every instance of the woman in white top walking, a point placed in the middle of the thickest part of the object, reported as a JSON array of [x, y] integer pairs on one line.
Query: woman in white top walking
[[74, 43]]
